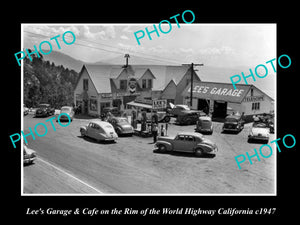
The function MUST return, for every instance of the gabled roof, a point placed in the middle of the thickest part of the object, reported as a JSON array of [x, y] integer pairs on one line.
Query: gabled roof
[[102, 74], [139, 72], [115, 72]]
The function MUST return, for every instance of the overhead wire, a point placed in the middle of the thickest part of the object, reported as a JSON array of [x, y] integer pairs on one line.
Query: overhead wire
[[160, 59]]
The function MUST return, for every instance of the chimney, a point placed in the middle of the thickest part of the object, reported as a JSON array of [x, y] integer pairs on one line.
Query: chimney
[[126, 56]]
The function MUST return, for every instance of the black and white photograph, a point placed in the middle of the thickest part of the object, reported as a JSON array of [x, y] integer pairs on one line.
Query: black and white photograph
[[167, 109], [151, 112]]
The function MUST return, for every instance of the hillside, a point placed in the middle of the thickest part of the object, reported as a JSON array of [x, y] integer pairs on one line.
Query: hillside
[[60, 58], [44, 82]]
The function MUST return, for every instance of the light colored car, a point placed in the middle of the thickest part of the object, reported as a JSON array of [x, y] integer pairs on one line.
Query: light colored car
[[178, 109], [259, 132], [187, 142], [121, 125], [68, 110], [29, 155], [99, 130], [204, 125]]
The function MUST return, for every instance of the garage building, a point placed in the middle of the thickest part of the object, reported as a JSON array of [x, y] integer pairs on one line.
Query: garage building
[[221, 99]]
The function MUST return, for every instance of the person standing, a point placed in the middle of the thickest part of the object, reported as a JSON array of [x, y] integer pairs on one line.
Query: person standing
[[154, 132]]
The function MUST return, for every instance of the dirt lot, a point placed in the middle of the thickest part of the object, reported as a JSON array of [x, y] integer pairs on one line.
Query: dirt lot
[[132, 166]]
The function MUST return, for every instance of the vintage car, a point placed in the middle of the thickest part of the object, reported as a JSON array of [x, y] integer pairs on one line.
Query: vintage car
[[29, 155], [186, 142], [99, 130], [121, 125], [204, 125], [25, 110], [259, 132], [68, 110], [162, 115], [189, 117], [113, 110], [233, 123], [44, 110], [177, 109]]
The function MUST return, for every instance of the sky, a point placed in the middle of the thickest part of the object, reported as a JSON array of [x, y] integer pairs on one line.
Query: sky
[[217, 45]]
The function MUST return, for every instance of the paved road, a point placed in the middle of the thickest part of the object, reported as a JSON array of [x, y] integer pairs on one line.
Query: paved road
[[133, 166]]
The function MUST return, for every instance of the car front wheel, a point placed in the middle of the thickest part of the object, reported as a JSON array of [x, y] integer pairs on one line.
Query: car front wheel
[[167, 119], [82, 132], [199, 152], [162, 148]]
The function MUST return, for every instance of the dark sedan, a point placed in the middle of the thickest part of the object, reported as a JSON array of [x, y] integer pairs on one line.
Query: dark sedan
[[121, 125], [233, 123], [44, 110]]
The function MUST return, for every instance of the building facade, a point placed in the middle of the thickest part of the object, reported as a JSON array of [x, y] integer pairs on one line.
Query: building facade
[[101, 86], [221, 99]]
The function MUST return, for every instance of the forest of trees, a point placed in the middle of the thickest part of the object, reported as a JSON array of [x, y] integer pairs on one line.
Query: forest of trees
[[44, 82]]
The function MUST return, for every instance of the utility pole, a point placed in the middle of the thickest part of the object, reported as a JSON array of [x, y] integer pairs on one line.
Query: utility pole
[[192, 80]]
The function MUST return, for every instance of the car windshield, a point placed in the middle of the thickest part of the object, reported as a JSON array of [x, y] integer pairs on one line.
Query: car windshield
[[231, 120], [261, 125], [43, 106], [65, 110]]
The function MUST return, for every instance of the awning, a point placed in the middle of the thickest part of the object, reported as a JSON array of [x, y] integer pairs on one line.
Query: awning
[[217, 91], [140, 105]]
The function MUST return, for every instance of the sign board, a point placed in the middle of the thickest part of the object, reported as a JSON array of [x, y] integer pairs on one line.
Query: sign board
[[143, 100], [159, 104], [217, 91], [254, 98], [106, 95]]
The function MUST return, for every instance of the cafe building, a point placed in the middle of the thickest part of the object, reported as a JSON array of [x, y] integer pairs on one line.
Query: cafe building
[[221, 99], [101, 86]]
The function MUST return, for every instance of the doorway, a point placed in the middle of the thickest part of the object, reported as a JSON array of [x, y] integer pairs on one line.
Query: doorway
[[85, 106], [203, 104], [220, 109]]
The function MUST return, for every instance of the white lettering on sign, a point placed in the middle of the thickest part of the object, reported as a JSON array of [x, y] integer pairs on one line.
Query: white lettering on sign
[[159, 104], [217, 91], [253, 98]]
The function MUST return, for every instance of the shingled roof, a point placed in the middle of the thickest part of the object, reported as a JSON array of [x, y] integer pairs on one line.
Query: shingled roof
[[101, 75]]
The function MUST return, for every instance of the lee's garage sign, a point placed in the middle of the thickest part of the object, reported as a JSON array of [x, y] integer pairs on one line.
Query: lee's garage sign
[[217, 91]]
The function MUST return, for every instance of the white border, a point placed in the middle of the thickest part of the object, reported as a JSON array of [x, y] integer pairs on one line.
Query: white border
[[145, 194]]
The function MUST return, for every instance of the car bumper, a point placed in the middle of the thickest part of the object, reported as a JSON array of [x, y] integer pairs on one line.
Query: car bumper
[[215, 150], [203, 129], [110, 139], [127, 132], [230, 129], [263, 138], [65, 118], [29, 160], [40, 114]]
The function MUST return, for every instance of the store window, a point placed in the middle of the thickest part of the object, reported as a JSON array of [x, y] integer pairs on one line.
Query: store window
[[123, 84], [255, 105], [144, 83], [150, 83], [93, 104]]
